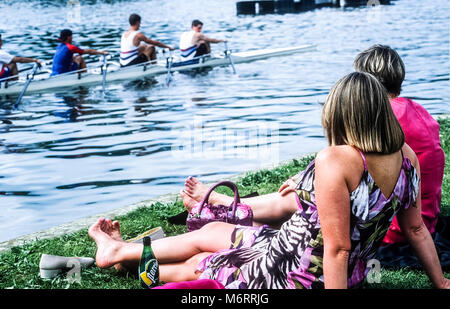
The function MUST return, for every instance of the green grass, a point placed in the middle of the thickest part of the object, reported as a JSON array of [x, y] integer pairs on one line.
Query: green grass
[[19, 266]]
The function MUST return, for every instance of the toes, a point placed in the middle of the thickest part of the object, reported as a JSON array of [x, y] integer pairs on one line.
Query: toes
[[183, 194], [96, 227]]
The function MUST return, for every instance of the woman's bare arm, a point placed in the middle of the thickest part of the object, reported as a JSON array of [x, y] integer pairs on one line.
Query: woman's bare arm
[[333, 204], [417, 234]]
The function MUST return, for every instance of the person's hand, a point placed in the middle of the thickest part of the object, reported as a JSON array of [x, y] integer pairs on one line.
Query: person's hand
[[170, 47], [287, 187], [38, 61], [225, 40], [105, 53]]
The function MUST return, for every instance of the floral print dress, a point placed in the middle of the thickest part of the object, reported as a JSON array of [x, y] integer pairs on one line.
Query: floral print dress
[[292, 257]]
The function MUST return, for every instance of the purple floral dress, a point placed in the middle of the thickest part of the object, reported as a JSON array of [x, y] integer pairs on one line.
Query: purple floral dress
[[292, 257]]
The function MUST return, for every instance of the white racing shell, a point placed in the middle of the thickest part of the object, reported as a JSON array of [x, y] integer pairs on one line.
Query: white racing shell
[[114, 73]]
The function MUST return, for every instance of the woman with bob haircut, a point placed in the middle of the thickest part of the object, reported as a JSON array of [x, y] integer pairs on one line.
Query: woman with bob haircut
[[420, 128], [346, 199]]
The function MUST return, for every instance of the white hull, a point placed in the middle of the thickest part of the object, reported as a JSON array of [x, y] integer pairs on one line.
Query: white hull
[[141, 71]]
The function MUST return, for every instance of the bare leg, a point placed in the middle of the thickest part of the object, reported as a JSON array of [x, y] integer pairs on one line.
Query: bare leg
[[182, 271], [272, 209], [148, 50], [207, 45], [177, 255], [80, 61], [14, 71]]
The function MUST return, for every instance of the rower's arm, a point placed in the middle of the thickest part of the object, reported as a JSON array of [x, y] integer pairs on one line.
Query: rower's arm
[[24, 60], [94, 52], [203, 37], [147, 40]]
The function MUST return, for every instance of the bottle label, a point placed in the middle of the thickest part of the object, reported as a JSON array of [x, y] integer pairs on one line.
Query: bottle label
[[150, 274], [148, 267]]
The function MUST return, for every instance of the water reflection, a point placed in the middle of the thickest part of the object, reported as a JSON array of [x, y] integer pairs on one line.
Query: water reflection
[[75, 103], [81, 151]]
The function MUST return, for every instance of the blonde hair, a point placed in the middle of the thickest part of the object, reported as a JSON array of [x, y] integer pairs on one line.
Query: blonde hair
[[357, 112], [385, 64]]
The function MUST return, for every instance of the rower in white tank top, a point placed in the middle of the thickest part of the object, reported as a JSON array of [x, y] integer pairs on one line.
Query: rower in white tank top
[[128, 51], [186, 47]]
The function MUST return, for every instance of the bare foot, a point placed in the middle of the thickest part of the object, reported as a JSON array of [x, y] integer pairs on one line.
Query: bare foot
[[197, 191], [112, 228], [107, 247], [188, 201], [195, 188]]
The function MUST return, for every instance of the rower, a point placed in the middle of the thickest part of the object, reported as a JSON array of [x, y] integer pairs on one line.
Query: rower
[[135, 47], [194, 43], [65, 59], [8, 63]]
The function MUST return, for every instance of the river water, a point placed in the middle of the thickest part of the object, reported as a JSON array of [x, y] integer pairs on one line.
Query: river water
[[78, 152]]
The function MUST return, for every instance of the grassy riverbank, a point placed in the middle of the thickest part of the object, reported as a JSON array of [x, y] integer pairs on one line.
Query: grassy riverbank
[[19, 266]]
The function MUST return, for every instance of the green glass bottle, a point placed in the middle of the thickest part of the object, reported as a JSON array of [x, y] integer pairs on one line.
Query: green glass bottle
[[148, 266]]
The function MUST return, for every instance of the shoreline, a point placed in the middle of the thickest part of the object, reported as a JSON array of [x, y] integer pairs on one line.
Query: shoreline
[[84, 223]]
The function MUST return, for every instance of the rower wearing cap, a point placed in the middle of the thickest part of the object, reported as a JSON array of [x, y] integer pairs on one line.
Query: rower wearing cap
[[8, 63], [132, 48], [194, 43], [64, 59]]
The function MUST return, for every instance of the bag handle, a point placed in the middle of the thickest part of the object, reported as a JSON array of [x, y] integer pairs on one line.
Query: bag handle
[[228, 184]]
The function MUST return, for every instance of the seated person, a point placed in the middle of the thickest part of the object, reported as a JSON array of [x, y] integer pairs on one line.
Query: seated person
[[194, 43], [133, 49], [421, 133], [340, 221], [8, 63], [65, 59], [420, 128]]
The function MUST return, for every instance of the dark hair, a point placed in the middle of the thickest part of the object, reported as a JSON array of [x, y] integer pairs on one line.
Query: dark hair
[[196, 22], [64, 35], [134, 19], [385, 64]]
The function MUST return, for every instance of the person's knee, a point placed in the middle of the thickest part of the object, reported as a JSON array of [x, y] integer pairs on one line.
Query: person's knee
[[12, 66], [78, 59], [287, 203], [14, 71], [212, 227], [211, 237]]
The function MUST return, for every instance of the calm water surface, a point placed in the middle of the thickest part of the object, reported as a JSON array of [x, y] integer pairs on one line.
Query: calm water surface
[[78, 152]]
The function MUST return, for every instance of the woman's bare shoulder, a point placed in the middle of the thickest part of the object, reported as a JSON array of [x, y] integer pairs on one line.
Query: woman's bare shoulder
[[345, 158], [411, 155], [342, 153]]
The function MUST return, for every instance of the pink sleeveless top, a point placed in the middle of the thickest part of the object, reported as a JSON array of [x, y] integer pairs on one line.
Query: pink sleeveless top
[[422, 135]]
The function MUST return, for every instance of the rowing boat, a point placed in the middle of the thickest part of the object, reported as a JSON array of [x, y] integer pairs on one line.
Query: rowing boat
[[94, 76]]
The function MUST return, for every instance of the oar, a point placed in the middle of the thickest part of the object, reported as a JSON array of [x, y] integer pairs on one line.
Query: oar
[[104, 68], [169, 67], [228, 54], [35, 67]]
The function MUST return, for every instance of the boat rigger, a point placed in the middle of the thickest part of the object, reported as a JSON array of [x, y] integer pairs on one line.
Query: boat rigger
[[111, 71]]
